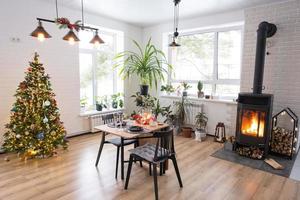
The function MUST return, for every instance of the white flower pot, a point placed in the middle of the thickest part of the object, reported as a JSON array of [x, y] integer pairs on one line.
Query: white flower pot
[[199, 135]]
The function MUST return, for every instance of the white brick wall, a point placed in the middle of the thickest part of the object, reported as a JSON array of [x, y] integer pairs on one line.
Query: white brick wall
[[282, 67]]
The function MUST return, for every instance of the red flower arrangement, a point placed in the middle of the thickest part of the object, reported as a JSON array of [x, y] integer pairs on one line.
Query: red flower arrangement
[[143, 119]]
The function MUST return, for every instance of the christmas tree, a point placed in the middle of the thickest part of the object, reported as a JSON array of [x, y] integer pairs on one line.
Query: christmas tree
[[35, 129]]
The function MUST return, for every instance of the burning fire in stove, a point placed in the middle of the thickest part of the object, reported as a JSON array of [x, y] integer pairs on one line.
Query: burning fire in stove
[[253, 123]]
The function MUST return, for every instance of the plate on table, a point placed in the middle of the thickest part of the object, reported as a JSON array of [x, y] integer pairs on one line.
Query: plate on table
[[135, 129]]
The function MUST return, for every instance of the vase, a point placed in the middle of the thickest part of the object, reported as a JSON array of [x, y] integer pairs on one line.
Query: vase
[[144, 89]]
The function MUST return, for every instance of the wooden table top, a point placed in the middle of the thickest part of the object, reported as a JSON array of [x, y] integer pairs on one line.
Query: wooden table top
[[125, 134]]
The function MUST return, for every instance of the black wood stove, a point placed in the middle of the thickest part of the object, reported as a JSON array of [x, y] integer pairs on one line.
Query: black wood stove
[[254, 111]]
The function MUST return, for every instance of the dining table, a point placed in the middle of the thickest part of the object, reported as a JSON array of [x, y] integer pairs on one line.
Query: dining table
[[125, 134]]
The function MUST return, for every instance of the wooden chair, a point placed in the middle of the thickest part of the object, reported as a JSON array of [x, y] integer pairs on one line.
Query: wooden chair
[[155, 155], [107, 119]]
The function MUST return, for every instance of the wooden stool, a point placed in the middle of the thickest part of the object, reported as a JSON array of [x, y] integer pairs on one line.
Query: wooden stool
[[220, 133]]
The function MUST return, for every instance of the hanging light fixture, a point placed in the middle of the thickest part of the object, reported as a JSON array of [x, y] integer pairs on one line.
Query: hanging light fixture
[[71, 37], [63, 22], [96, 39], [40, 32], [176, 20]]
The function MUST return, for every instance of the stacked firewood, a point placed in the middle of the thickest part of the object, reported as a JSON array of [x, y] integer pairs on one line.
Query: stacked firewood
[[282, 141], [251, 152]]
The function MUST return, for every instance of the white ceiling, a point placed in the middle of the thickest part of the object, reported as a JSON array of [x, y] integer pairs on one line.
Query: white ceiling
[[149, 12]]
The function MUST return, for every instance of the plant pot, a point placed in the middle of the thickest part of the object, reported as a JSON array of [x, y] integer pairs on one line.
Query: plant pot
[[187, 132], [114, 104], [184, 93], [99, 107], [198, 136], [200, 94], [144, 89]]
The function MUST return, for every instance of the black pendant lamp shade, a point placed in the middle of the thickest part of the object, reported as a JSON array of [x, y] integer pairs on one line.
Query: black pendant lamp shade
[[96, 39], [174, 44], [40, 32], [71, 37]]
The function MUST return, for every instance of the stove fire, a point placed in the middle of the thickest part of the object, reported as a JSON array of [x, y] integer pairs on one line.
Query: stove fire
[[253, 123]]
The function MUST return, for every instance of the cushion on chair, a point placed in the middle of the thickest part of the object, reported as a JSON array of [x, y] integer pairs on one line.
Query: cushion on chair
[[117, 141], [147, 152]]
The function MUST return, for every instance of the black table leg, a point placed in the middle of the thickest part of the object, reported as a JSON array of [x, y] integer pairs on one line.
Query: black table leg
[[122, 158], [100, 148]]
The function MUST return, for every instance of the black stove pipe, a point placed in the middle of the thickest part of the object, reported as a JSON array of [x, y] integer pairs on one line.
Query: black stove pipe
[[265, 30]]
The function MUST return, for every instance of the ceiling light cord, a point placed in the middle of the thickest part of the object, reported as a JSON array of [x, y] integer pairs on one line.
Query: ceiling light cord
[[56, 8], [82, 16]]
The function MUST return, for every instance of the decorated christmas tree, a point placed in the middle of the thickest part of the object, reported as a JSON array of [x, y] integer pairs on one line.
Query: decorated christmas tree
[[35, 129]]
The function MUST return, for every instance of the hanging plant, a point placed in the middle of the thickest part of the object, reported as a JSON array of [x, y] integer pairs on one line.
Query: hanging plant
[[63, 23]]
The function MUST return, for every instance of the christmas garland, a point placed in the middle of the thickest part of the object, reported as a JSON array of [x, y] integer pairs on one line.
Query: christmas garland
[[63, 23]]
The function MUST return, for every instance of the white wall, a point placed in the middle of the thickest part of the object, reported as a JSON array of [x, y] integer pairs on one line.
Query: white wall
[[282, 67], [216, 111], [17, 19]]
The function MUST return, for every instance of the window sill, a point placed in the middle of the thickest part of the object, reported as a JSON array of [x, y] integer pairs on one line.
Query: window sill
[[95, 112], [201, 99]]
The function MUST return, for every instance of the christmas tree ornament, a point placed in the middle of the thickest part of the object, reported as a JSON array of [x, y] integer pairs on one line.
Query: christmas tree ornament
[[47, 103], [29, 121], [40, 136], [45, 120]]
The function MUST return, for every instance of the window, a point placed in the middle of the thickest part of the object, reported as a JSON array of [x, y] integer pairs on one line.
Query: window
[[211, 57], [97, 76]]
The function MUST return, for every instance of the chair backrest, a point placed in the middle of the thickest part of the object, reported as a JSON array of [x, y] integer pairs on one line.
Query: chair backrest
[[108, 118], [164, 145]]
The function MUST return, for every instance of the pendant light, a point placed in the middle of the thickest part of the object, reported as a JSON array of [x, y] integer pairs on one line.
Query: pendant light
[[71, 37], [96, 39], [40, 32], [63, 22], [176, 20]]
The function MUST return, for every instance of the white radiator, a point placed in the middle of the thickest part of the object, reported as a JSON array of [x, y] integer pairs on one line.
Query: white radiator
[[193, 109], [96, 119]]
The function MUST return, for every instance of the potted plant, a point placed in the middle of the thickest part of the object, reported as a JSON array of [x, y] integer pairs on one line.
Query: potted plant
[[101, 103], [83, 103], [117, 101], [181, 113], [147, 64], [144, 101], [185, 86], [201, 123], [167, 88], [200, 87]]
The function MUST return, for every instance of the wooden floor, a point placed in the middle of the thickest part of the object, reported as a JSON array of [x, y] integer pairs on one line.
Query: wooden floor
[[72, 175]]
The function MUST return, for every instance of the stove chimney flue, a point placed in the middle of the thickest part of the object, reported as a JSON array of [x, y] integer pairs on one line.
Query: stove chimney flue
[[265, 30]]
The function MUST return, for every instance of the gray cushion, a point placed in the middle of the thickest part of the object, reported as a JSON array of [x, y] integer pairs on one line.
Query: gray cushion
[[147, 152]]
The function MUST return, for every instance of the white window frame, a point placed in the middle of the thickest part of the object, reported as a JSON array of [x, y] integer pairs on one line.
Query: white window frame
[[94, 52], [215, 81]]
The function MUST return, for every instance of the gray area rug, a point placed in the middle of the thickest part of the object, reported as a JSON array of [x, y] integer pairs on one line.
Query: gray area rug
[[229, 155]]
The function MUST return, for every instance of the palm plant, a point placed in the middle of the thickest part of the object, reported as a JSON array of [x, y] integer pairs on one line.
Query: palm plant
[[147, 64]]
